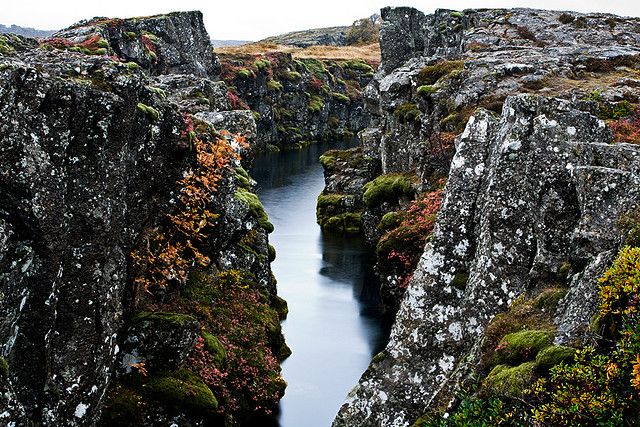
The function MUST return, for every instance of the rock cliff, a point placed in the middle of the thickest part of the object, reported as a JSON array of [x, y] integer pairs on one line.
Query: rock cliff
[[124, 216], [529, 117], [296, 102]]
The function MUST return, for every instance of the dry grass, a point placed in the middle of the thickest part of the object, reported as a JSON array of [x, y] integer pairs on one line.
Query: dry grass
[[370, 53]]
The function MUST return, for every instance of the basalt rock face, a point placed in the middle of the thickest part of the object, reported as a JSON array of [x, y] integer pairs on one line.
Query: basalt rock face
[[299, 101], [176, 43], [92, 151], [536, 179]]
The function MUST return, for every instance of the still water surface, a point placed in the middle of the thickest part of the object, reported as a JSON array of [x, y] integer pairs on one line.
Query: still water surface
[[335, 324]]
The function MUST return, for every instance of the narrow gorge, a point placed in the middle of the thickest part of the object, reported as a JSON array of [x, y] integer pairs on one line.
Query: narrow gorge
[[446, 236]]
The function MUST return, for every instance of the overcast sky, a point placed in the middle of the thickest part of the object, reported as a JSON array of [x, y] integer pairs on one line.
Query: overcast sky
[[256, 19]]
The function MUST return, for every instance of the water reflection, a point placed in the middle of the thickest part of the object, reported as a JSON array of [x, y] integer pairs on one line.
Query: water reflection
[[335, 324]]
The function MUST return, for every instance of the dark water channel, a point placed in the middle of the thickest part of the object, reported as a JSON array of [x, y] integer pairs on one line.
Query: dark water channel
[[335, 324]]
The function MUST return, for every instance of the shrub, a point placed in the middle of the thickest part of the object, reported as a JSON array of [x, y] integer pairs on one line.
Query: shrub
[[399, 249], [627, 129]]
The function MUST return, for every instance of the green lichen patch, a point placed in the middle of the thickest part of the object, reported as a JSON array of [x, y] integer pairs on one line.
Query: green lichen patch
[[548, 299], [148, 111], [554, 355], [521, 346], [432, 73], [389, 187], [255, 208], [181, 389], [177, 320], [510, 381]]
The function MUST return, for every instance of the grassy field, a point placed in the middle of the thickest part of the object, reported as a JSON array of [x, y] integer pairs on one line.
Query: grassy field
[[370, 52]]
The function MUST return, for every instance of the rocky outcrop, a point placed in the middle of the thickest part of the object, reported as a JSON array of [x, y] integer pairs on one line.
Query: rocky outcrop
[[299, 101], [176, 43], [534, 189], [95, 155]]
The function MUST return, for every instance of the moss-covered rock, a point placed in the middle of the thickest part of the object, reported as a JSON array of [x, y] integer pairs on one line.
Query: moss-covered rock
[[255, 208], [181, 389], [4, 368], [272, 253], [122, 406], [212, 345], [281, 307], [520, 346], [554, 355], [177, 320], [426, 90], [510, 381], [407, 113], [549, 298], [432, 73], [346, 223], [390, 220], [243, 177], [389, 187], [149, 111]]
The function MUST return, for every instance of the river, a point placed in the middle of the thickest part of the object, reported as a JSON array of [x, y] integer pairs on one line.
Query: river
[[335, 323]]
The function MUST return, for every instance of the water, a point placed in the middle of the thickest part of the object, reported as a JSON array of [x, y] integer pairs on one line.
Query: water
[[335, 324]]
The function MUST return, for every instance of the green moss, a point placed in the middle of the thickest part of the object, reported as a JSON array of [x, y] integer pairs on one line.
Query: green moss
[[460, 280], [554, 355], [122, 406], [520, 346], [347, 223], [4, 368], [340, 97], [549, 299], [454, 122], [102, 43], [182, 389], [330, 199], [390, 220], [161, 93], [5, 48], [456, 14], [100, 51], [274, 85], [281, 307], [316, 104], [213, 346], [426, 90], [131, 66], [389, 187], [511, 382], [616, 111], [272, 253], [262, 64], [358, 65], [407, 113], [244, 74], [130, 35], [314, 66], [177, 320], [149, 111], [292, 76], [255, 208], [432, 73], [243, 177]]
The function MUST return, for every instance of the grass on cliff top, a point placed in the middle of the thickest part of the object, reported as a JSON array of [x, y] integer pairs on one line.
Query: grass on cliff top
[[370, 52]]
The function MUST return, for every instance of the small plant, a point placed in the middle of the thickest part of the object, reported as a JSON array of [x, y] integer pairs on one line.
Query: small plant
[[566, 18], [426, 90]]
